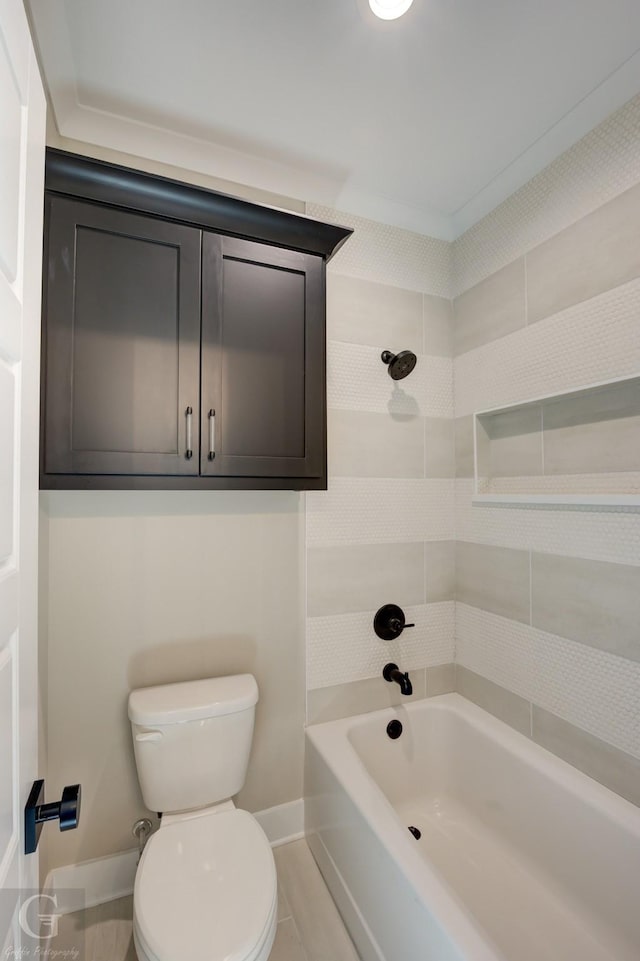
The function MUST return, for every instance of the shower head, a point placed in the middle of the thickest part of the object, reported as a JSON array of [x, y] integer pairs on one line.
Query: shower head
[[400, 365]]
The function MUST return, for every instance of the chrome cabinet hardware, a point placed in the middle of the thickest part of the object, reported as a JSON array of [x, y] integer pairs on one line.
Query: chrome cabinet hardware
[[189, 450], [212, 434]]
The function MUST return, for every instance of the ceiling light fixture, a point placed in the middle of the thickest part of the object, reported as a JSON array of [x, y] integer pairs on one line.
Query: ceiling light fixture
[[389, 9]]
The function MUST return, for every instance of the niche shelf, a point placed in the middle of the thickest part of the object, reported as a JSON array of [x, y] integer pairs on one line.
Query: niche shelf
[[579, 448]]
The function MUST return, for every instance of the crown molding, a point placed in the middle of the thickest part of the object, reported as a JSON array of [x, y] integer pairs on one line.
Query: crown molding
[[605, 99]]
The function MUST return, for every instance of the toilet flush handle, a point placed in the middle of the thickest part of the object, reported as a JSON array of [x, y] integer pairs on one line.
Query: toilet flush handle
[[149, 736]]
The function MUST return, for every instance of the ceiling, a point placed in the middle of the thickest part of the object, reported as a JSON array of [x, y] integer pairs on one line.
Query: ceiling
[[427, 122]]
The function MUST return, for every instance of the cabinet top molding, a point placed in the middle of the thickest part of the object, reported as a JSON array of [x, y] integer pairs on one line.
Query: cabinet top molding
[[77, 176]]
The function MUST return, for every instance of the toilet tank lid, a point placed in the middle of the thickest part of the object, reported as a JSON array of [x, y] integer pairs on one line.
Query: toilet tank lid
[[193, 700]]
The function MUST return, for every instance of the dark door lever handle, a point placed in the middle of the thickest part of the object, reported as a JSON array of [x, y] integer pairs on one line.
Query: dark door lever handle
[[36, 813]]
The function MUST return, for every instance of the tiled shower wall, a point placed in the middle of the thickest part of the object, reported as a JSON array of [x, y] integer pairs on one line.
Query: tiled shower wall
[[548, 612], [384, 531], [547, 618]]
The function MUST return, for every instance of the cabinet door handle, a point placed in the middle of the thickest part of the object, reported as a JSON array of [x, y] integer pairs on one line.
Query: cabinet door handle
[[189, 451], [212, 434]]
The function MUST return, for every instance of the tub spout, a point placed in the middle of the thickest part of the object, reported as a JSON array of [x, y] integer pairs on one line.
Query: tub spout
[[391, 672]]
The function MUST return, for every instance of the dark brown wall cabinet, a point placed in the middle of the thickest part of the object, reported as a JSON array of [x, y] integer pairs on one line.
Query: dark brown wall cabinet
[[183, 335]]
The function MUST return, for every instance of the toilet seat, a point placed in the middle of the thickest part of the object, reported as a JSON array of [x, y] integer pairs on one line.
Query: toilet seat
[[205, 890]]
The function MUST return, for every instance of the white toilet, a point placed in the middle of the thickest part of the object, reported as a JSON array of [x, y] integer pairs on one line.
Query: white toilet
[[206, 886]]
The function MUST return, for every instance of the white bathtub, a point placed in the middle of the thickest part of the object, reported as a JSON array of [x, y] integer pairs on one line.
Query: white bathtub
[[521, 858]]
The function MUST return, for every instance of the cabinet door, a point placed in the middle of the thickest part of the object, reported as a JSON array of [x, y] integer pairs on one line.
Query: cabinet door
[[122, 311], [263, 361]]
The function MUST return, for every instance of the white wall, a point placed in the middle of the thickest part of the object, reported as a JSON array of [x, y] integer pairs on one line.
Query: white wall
[[150, 587]]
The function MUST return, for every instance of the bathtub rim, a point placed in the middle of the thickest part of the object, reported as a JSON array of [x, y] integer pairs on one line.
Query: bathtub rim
[[624, 812]]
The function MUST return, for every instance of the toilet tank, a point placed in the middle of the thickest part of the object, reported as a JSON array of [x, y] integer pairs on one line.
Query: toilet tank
[[192, 740]]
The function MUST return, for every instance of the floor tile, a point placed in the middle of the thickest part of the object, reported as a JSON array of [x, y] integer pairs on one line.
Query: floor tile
[[284, 911], [319, 924], [287, 945], [101, 933]]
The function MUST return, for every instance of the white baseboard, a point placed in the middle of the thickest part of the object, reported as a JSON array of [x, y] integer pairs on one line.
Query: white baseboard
[[88, 883], [282, 823]]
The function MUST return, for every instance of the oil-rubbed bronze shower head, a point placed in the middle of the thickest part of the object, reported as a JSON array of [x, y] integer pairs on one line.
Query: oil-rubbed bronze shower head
[[399, 365]]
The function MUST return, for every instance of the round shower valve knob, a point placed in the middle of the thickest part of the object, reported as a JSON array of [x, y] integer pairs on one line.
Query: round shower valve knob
[[390, 622]]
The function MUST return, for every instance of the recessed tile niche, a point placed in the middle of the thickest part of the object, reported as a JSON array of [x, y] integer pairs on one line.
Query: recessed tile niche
[[582, 447]]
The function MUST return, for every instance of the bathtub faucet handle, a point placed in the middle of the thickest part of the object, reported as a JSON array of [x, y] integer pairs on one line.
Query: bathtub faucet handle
[[391, 672], [396, 625], [389, 622]]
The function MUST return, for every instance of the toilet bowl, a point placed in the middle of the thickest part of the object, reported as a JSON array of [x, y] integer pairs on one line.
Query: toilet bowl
[[205, 890], [206, 887]]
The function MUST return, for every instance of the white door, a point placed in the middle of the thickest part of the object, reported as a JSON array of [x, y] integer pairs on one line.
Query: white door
[[22, 138]]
